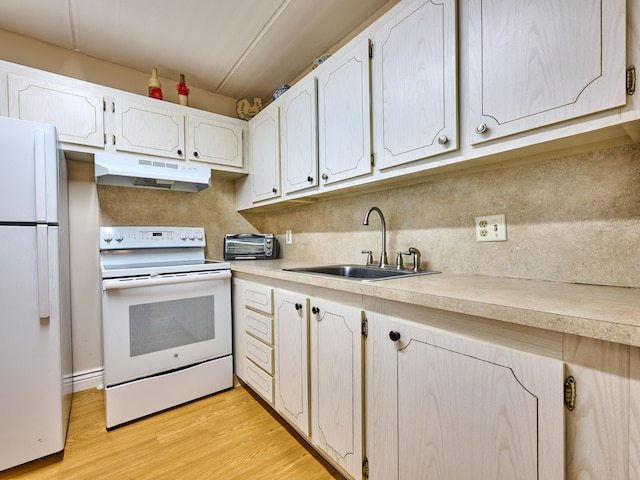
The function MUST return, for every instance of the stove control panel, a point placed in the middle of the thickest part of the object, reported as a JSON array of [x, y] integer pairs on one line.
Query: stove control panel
[[117, 238]]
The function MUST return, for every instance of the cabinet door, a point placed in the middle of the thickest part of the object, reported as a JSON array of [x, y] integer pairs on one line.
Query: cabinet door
[[344, 114], [77, 115], [537, 63], [300, 136], [214, 141], [292, 358], [447, 407], [336, 383], [415, 85], [150, 130], [264, 169]]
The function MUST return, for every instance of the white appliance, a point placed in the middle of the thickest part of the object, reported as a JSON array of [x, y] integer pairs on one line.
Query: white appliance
[[130, 171], [166, 320], [35, 323]]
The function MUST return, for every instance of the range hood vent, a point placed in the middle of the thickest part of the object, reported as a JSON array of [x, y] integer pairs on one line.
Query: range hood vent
[[127, 171]]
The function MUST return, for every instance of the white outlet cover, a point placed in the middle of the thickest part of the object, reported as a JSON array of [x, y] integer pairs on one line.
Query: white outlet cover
[[491, 228]]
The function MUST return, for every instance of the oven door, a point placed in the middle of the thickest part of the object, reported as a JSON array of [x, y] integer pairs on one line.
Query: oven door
[[161, 323]]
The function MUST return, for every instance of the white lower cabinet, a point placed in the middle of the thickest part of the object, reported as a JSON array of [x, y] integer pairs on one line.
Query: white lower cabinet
[[441, 406], [394, 391], [292, 357], [319, 375], [253, 336], [336, 349]]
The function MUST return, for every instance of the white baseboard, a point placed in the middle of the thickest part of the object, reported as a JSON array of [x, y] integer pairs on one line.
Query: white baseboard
[[87, 379]]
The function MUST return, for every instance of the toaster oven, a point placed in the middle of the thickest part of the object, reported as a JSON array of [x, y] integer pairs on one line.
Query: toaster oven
[[250, 246]]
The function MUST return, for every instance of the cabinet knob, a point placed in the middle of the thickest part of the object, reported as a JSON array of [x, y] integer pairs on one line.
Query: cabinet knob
[[482, 128], [274, 190], [195, 154], [325, 176], [298, 306], [394, 336], [315, 310], [442, 139], [309, 179], [179, 152]]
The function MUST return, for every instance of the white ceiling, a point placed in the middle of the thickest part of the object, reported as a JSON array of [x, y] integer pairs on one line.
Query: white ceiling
[[238, 48]]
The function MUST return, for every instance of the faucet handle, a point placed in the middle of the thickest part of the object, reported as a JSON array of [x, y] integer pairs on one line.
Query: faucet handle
[[399, 261], [369, 255]]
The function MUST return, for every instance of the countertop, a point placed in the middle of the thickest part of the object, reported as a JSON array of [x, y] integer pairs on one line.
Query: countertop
[[600, 312]]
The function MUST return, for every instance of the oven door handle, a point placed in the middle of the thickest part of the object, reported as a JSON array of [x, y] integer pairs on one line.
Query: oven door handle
[[121, 283]]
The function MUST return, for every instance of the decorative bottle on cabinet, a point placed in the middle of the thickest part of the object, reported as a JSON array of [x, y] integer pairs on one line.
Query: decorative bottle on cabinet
[[183, 92], [155, 89]]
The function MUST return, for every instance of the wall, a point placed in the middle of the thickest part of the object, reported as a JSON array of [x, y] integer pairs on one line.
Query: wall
[[32, 53], [571, 219]]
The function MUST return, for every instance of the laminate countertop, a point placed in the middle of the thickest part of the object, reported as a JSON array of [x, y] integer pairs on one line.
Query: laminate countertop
[[600, 312]]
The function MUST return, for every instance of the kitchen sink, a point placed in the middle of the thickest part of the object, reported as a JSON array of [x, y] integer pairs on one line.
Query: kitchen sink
[[360, 272]]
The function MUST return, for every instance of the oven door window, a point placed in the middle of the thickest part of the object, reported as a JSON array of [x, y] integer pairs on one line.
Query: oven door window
[[163, 325]]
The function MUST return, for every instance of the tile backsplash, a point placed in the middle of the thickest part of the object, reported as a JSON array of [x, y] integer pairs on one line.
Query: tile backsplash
[[570, 219]]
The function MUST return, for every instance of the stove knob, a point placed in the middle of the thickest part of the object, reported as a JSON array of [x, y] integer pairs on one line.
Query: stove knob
[[108, 237], [119, 237], [183, 235], [200, 235], [192, 236]]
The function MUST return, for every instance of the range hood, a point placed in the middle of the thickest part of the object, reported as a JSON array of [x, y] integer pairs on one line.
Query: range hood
[[130, 171]]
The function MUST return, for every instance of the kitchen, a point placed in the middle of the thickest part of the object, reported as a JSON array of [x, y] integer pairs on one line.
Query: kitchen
[[572, 214]]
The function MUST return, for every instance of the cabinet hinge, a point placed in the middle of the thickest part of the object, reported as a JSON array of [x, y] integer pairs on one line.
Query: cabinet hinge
[[364, 326], [105, 138], [631, 80], [373, 159], [371, 50], [104, 105], [365, 467], [570, 393]]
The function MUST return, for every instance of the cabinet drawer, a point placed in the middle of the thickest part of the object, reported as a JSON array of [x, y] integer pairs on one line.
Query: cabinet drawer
[[259, 353], [258, 325], [258, 297], [260, 381]]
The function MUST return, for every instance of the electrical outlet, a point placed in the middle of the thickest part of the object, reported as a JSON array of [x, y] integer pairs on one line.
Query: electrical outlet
[[288, 237], [491, 228]]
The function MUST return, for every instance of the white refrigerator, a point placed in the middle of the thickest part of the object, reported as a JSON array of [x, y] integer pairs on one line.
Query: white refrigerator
[[35, 305]]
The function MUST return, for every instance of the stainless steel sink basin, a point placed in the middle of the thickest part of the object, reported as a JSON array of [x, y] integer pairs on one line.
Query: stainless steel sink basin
[[360, 272]]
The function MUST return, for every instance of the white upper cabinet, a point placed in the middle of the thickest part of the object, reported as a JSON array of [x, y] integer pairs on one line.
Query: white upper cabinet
[[214, 141], [299, 136], [415, 83], [77, 115], [344, 114], [264, 169], [537, 63], [149, 130]]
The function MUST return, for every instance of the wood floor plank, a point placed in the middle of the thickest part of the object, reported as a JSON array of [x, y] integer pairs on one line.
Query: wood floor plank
[[227, 436]]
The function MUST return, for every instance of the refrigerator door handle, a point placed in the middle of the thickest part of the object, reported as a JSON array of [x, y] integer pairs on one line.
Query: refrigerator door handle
[[42, 243], [40, 160]]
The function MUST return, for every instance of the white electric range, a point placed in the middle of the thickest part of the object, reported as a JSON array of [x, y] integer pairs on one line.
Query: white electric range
[[166, 315]]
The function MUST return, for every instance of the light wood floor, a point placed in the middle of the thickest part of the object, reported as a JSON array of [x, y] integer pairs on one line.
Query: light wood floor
[[226, 436]]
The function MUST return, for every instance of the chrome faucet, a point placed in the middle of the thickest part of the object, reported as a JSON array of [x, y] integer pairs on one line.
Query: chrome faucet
[[383, 254]]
